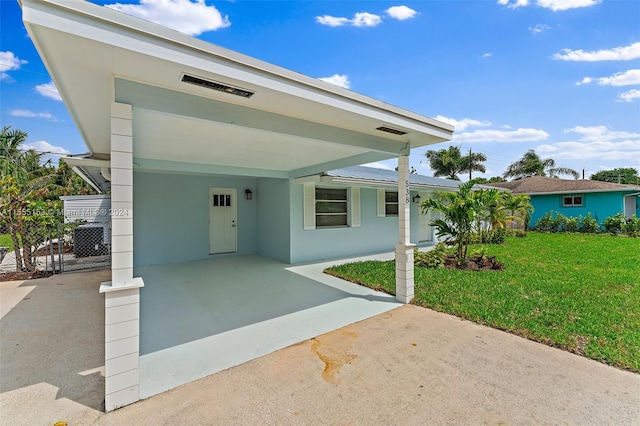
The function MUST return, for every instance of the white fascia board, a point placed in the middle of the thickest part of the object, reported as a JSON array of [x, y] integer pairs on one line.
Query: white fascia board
[[370, 183], [98, 23], [86, 162], [78, 170], [589, 191]]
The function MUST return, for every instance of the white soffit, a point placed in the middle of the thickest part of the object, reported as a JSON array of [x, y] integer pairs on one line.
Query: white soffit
[[87, 47]]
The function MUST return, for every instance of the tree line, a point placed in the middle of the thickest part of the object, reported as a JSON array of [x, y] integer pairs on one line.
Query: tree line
[[450, 163]]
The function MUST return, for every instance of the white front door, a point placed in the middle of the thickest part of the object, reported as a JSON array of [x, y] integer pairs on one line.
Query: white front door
[[223, 218], [425, 231]]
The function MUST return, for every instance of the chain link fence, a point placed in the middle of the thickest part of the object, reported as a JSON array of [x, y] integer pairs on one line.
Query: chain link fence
[[84, 246]]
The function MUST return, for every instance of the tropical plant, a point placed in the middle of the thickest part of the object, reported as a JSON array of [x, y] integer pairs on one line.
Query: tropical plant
[[458, 216], [532, 165], [519, 208], [24, 181], [449, 162]]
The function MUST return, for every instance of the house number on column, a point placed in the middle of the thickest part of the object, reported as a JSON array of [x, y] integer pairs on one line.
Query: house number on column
[[406, 192]]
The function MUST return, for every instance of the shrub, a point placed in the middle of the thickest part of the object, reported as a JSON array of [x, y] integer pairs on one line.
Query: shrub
[[549, 223], [614, 224], [518, 233], [430, 259], [572, 224], [588, 225], [632, 227]]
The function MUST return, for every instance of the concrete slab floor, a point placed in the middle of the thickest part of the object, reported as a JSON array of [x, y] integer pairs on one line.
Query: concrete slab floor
[[198, 318]]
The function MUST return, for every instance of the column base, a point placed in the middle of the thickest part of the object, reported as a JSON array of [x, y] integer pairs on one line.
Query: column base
[[404, 273]]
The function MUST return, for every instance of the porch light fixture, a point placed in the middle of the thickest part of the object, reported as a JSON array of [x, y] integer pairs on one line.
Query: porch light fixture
[[220, 87], [248, 193], [417, 198]]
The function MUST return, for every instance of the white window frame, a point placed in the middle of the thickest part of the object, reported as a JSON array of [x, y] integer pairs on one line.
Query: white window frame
[[383, 203], [309, 207], [573, 200]]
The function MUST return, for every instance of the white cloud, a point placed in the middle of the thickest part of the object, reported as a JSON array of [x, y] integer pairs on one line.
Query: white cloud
[[554, 5], [626, 78], [624, 53], [462, 124], [490, 135], [338, 80], [595, 142], [52, 151], [9, 62], [629, 96], [600, 133], [186, 16], [401, 12], [539, 28], [513, 4], [30, 114], [360, 19], [364, 19], [487, 55], [332, 21], [49, 90], [557, 5], [380, 165]]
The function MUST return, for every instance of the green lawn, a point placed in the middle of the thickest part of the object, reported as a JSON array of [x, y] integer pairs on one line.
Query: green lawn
[[5, 241], [577, 292]]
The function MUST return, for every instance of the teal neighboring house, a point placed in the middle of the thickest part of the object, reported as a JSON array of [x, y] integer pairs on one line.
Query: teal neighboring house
[[575, 198]]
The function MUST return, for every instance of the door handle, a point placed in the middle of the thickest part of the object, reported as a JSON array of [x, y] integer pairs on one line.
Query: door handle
[[233, 223]]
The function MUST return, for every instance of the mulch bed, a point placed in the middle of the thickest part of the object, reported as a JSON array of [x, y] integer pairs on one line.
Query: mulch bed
[[475, 263], [21, 276], [46, 251]]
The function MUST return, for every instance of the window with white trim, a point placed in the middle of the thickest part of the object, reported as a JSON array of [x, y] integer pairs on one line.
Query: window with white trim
[[332, 208], [391, 203], [387, 203], [572, 201]]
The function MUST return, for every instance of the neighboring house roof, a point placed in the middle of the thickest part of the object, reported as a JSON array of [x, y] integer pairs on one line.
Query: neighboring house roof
[[540, 185]]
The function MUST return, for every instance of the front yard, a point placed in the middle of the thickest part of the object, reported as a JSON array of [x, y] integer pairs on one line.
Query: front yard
[[577, 292]]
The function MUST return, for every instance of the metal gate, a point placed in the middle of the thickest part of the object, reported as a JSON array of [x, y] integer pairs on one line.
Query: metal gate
[[84, 246]]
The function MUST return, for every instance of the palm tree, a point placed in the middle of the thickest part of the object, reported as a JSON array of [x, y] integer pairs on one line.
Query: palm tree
[[450, 162], [532, 165], [519, 207], [459, 211], [23, 178]]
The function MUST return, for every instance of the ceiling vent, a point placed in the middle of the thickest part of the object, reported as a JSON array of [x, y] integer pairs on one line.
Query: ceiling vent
[[390, 130], [216, 86]]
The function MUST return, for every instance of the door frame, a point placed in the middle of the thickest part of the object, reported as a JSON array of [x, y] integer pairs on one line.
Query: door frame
[[233, 192]]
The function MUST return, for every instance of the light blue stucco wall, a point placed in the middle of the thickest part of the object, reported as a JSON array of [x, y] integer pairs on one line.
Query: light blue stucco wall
[[599, 204], [273, 201], [171, 217], [375, 235]]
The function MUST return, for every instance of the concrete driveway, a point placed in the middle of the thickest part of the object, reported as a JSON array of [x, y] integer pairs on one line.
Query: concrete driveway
[[407, 366]]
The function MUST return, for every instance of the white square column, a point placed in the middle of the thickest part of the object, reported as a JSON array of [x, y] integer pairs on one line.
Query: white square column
[[122, 293], [404, 249]]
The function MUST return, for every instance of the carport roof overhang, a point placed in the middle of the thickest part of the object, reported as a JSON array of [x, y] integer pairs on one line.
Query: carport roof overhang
[[291, 126]]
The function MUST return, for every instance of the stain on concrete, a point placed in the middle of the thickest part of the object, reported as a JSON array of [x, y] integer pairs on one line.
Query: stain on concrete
[[333, 349]]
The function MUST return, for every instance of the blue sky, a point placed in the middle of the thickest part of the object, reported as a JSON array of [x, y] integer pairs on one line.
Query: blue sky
[[558, 76]]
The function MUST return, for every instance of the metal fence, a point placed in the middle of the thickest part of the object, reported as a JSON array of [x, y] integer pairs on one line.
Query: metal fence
[[70, 247], [84, 246]]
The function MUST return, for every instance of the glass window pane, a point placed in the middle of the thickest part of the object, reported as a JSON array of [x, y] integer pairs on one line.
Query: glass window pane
[[391, 209], [391, 197], [331, 207], [215, 200], [568, 201], [577, 201], [331, 194], [227, 201], [331, 220]]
